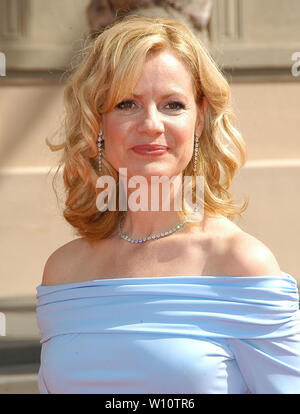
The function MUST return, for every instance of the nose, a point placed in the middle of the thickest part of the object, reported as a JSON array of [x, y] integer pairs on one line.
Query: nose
[[151, 122]]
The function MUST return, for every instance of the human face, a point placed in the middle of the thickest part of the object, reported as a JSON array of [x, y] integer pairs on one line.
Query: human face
[[149, 116]]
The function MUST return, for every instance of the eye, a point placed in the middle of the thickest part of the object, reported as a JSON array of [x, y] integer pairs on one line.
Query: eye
[[125, 104], [176, 105]]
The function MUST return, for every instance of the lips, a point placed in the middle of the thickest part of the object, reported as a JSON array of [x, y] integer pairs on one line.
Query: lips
[[150, 147], [150, 150]]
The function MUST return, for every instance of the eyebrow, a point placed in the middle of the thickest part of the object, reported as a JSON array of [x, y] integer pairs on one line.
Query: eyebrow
[[135, 95]]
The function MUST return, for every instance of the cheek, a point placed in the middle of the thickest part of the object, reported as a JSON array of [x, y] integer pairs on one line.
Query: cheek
[[182, 128], [113, 130], [183, 137], [112, 140], [183, 143], [115, 137]]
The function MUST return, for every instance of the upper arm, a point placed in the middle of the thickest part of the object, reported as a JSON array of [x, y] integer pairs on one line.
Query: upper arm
[[53, 268], [248, 256]]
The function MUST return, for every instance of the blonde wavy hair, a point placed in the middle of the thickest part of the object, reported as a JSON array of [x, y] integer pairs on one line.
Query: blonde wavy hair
[[109, 70]]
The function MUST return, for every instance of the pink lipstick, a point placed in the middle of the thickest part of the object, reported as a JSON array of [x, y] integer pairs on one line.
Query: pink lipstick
[[150, 149]]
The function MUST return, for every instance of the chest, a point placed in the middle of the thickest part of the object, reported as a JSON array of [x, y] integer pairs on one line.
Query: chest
[[120, 363], [180, 256]]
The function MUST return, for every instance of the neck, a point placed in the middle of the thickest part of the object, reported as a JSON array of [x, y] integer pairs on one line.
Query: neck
[[140, 224]]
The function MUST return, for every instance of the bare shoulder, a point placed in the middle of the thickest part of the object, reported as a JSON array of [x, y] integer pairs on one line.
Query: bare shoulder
[[235, 252], [248, 256], [64, 261]]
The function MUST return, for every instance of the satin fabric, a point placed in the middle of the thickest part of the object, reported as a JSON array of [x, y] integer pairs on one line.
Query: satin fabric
[[165, 335]]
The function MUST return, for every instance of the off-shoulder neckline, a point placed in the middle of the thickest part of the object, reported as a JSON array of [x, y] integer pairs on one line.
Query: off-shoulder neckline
[[161, 278]]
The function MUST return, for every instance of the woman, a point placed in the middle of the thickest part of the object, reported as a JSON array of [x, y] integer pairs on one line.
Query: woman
[[159, 301]]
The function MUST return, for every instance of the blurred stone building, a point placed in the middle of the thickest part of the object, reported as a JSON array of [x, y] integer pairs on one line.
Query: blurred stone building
[[194, 13], [254, 42]]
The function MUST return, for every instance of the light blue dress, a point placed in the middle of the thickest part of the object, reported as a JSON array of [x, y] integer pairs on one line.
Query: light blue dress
[[170, 335]]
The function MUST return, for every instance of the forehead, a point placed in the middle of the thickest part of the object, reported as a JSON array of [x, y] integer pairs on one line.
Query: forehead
[[162, 71]]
